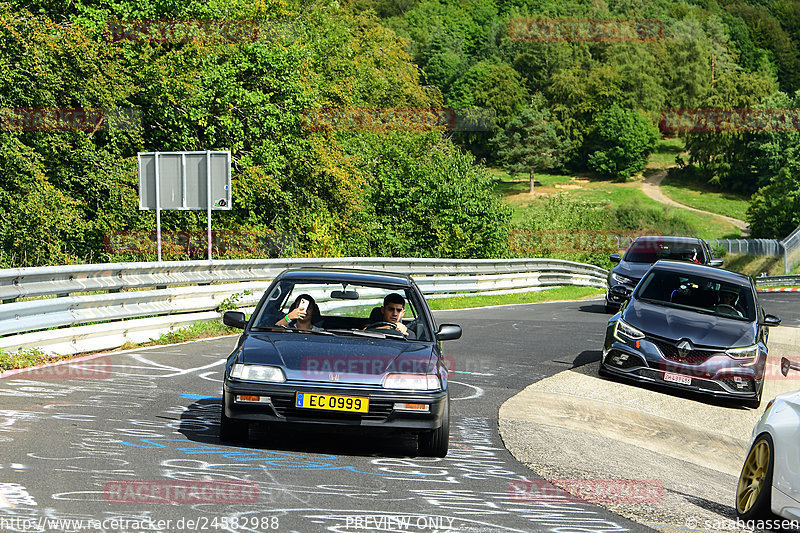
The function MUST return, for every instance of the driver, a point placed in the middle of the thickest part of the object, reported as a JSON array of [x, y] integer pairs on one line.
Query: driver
[[394, 306], [727, 302]]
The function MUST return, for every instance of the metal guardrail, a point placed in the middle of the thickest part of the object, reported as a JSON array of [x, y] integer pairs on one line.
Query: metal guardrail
[[777, 281], [181, 293], [788, 248]]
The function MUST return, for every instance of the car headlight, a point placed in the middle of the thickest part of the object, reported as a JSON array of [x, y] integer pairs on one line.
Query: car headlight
[[412, 382], [748, 352], [622, 279], [258, 373], [625, 329]]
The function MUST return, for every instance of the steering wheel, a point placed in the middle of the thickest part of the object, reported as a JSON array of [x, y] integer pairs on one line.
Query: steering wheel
[[378, 324], [728, 309]]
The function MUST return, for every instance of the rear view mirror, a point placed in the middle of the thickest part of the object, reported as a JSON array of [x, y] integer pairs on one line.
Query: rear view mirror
[[716, 262], [614, 258], [771, 320], [344, 295]]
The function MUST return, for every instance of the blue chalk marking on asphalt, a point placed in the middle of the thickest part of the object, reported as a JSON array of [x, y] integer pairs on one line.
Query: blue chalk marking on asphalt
[[268, 460], [200, 397]]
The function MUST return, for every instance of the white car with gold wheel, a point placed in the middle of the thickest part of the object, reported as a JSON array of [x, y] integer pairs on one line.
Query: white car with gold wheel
[[770, 478]]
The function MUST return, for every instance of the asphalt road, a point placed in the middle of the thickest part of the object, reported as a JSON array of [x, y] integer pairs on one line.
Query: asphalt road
[[94, 445]]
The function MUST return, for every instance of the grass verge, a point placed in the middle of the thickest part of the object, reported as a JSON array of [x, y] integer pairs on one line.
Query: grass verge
[[695, 193], [465, 301]]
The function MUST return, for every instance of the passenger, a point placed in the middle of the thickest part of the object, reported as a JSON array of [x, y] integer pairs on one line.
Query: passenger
[[302, 318]]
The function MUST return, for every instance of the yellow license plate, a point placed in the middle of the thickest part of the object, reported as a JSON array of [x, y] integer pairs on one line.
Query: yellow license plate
[[330, 402]]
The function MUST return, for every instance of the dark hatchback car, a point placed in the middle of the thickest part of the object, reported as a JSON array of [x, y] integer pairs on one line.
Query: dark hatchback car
[[644, 251], [351, 369], [692, 327]]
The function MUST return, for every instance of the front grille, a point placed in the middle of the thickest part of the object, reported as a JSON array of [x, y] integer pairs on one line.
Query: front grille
[[689, 357], [623, 360], [379, 410]]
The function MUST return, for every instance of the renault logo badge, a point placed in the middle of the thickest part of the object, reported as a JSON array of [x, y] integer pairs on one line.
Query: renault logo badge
[[684, 347]]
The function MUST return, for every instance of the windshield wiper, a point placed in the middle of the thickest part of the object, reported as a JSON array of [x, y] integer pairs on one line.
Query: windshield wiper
[[289, 330], [359, 333]]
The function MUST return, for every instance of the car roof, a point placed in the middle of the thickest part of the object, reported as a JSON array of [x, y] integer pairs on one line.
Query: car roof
[[347, 275], [685, 267], [661, 238]]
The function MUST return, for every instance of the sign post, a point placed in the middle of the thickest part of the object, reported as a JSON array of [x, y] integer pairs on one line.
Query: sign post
[[184, 181]]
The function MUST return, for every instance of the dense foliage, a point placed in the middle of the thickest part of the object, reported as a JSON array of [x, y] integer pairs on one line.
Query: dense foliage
[[62, 193], [725, 55]]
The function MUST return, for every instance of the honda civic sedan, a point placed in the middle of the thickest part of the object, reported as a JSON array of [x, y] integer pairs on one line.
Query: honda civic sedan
[[340, 348], [691, 327]]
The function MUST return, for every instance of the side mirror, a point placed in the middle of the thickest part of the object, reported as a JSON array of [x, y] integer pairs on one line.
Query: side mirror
[[716, 262], [787, 365], [448, 332], [614, 258], [234, 319], [772, 320], [621, 291]]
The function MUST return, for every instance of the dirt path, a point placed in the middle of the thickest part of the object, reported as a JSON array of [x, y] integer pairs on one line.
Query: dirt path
[[651, 187]]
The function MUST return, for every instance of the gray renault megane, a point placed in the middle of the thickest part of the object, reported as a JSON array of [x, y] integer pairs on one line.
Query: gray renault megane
[[691, 327]]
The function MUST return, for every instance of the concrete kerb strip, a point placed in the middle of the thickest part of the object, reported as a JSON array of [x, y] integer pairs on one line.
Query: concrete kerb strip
[[577, 424]]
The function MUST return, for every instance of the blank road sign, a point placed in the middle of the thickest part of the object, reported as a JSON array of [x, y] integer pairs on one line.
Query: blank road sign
[[182, 179]]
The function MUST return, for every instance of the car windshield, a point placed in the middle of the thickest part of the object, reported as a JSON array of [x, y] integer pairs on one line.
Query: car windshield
[[698, 293], [651, 251], [344, 309]]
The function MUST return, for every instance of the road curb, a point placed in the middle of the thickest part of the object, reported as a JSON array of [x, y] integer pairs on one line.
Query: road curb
[[578, 425]]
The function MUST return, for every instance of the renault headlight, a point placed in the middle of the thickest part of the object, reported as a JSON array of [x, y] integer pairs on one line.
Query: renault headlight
[[626, 330], [258, 373], [748, 352], [622, 279]]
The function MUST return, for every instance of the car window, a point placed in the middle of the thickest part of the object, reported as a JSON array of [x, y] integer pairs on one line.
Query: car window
[[698, 293], [652, 251], [343, 307]]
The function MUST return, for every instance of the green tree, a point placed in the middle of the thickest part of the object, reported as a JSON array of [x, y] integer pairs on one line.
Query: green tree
[[530, 142], [775, 209], [620, 143]]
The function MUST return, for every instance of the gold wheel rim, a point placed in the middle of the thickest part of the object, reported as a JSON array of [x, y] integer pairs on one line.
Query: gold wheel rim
[[754, 473]]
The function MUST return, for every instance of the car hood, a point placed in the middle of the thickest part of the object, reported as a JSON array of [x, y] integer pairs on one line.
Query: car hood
[[699, 328], [632, 270], [340, 358]]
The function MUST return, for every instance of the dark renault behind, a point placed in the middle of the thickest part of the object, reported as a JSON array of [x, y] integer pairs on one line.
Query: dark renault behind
[[644, 251]]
